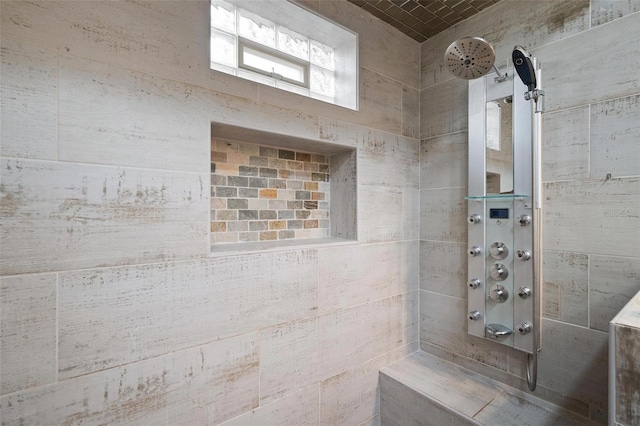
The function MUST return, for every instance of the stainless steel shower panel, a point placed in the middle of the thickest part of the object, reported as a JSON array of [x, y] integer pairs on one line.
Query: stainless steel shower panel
[[492, 266]]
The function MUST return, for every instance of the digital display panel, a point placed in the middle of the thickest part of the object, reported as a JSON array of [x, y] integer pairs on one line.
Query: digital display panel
[[498, 213]]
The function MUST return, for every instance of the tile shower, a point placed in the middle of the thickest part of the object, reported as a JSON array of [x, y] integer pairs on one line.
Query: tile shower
[[262, 193], [114, 310]]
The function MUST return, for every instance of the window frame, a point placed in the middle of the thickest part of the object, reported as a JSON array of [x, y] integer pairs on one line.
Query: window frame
[[278, 56]]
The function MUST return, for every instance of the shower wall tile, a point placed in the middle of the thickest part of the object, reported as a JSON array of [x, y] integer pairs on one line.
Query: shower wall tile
[[299, 408], [126, 34], [566, 144], [289, 358], [443, 108], [443, 215], [384, 159], [444, 161], [27, 331], [615, 132], [93, 216], [388, 160], [110, 115], [613, 282], [573, 361], [598, 215], [381, 270], [410, 214], [111, 317], [380, 103], [223, 375], [28, 103], [443, 268], [410, 112], [352, 397], [352, 336], [607, 71], [505, 24], [443, 323], [566, 292], [603, 11], [297, 354], [379, 214], [343, 133], [381, 48]]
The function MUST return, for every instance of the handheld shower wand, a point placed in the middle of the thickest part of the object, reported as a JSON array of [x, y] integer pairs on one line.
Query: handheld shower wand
[[528, 69], [523, 62]]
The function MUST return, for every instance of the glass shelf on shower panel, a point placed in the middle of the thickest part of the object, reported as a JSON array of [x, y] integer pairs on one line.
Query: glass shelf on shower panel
[[496, 197]]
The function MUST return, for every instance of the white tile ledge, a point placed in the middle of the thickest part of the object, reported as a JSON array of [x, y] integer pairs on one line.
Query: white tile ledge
[[473, 397], [219, 250]]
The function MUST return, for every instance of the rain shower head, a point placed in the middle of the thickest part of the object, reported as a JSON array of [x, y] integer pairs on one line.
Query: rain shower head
[[470, 57], [523, 63]]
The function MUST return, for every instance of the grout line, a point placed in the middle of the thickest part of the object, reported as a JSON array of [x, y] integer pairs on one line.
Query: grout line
[[57, 351], [588, 290]]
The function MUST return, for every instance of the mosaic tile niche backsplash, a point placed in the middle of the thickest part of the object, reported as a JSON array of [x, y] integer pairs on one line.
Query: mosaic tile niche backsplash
[[263, 193]]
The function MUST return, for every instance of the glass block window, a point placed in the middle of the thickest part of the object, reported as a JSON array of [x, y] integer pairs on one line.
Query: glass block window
[[251, 46]]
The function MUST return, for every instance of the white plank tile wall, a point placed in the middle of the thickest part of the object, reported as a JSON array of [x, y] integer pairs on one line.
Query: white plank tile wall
[[112, 311]]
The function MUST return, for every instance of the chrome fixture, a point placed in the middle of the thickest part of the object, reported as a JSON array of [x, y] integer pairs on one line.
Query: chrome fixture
[[529, 71], [496, 331], [523, 255], [474, 218], [524, 292], [474, 283], [524, 328], [524, 220], [498, 272], [498, 293], [474, 251], [474, 315], [471, 57], [498, 250]]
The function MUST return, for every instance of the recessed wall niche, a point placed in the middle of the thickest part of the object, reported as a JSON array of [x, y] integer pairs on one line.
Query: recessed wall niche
[[271, 190]]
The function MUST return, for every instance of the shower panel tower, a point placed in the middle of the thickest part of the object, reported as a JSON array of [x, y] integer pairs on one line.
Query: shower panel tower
[[504, 196]]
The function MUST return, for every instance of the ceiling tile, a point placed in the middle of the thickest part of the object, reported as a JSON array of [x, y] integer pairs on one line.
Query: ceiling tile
[[422, 19]]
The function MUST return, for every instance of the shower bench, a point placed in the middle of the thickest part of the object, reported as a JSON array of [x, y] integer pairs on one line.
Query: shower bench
[[424, 390]]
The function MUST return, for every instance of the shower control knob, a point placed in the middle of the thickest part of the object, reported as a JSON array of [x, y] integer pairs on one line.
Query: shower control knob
[[523, 255], [524, 328], [498, 293], [498, 250], [474, 219], [474, 251], [474, 315], [474, 283], [524, 292], [524, 220], [498, 272]]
